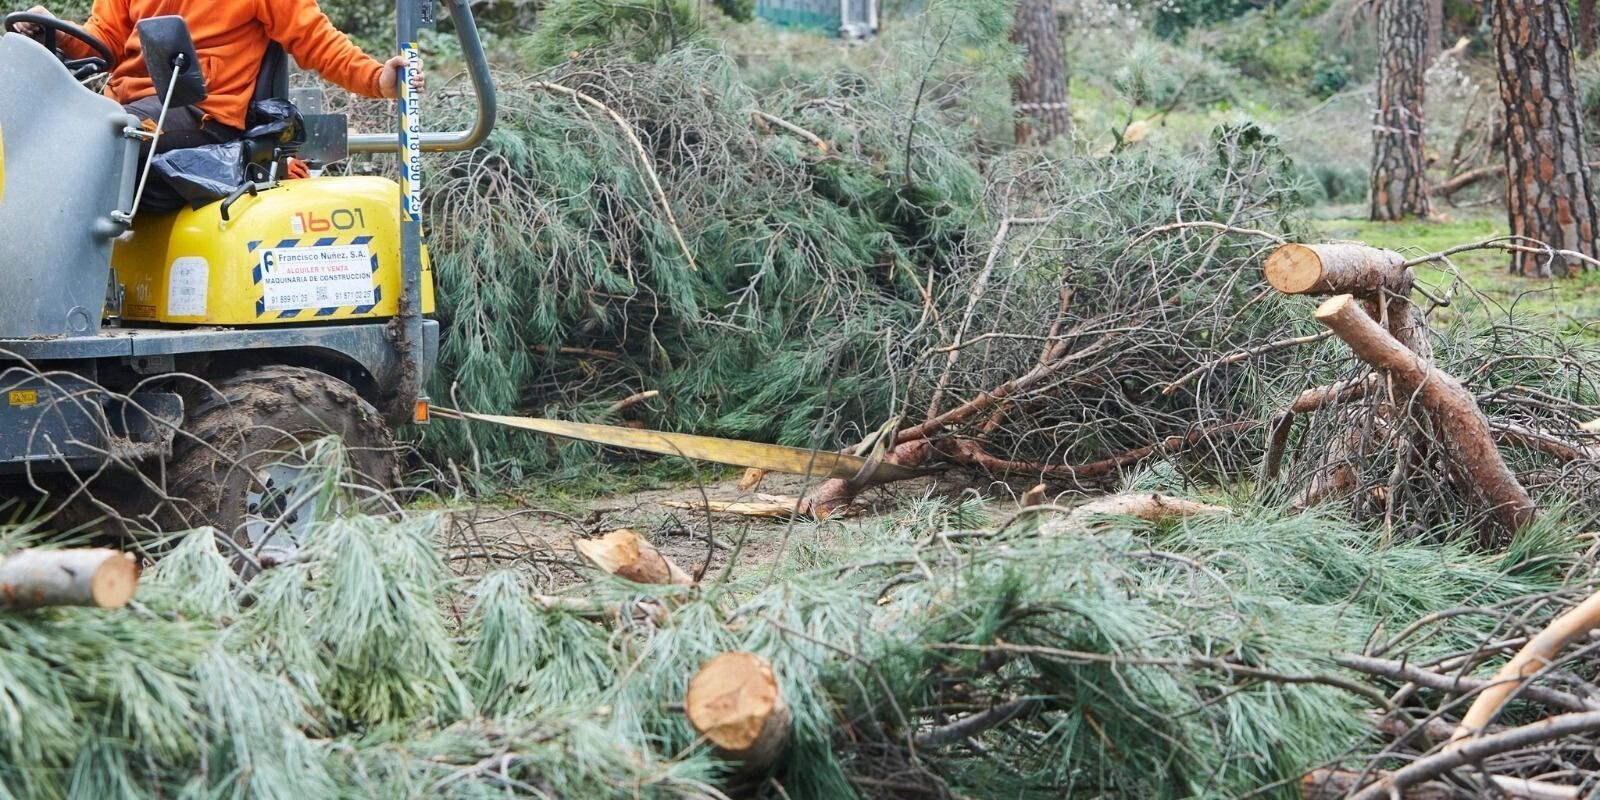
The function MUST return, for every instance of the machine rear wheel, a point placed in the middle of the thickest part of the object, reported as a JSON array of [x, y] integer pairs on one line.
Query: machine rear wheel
[[241, 465]]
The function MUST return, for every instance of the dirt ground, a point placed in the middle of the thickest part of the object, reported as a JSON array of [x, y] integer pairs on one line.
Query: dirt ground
[[481, 538]]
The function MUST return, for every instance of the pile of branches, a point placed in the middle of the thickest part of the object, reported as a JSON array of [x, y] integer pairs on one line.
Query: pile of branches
[[803, 265]]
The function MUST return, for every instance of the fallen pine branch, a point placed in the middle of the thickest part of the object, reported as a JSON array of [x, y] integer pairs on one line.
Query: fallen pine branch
[[644, 158], [1465, 428], [1475, 750], [1539, 652], [584, 607], [1454, 684], [970, 726], [1244, 355], [1336, 784]]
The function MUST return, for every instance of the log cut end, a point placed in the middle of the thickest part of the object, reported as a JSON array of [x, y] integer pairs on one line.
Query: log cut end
[[734, 701], [626, 554], [115, 581], [1293, 268]]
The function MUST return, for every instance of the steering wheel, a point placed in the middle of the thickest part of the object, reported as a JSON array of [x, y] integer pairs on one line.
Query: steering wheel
[[81, 68]]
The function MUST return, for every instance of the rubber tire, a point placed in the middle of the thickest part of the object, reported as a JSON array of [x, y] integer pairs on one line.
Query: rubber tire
[[242, 425]]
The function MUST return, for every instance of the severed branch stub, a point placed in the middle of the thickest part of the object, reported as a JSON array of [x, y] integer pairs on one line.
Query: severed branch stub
[[1463, 426], [735, 702], [94, 578], [626, 554]]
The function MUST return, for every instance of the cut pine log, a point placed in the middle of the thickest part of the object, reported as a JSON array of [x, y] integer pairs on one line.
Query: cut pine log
[[1323, 269], [1464, 427], [95, 578], [626, 554], [735, 702]]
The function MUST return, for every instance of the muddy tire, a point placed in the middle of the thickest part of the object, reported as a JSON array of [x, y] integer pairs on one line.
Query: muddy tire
[[237, 465]]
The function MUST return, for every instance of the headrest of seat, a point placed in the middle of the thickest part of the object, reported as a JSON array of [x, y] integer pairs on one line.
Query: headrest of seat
[[272, 83]]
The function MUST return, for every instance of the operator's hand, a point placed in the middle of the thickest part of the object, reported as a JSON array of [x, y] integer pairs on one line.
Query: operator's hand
[[389, 80], [29, 29]]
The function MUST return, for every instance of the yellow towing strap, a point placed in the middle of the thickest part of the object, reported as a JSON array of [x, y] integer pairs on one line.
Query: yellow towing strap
[[771, 457]]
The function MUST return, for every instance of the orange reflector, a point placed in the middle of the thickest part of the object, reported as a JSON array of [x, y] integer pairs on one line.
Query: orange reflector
[[421, 414]]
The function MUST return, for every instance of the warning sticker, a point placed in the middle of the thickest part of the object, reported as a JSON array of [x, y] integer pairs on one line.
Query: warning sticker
[[186, 287], [316, 277]]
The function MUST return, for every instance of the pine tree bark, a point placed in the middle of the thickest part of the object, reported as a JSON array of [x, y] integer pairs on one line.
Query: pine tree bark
[[1549, 191], [1399, 161], [1586, 28], [1434, 44], [1040, 90]]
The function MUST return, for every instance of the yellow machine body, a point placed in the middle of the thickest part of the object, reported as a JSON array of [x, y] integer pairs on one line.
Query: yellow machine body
[[312, 250]]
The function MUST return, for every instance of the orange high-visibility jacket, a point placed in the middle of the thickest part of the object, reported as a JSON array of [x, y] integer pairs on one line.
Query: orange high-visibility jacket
[[231, 37]]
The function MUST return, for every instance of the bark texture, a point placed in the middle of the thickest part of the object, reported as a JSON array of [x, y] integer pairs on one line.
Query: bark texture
[[1399, 160], [1585, 28], [1549, 191], [1434, 44], [1040, 90]]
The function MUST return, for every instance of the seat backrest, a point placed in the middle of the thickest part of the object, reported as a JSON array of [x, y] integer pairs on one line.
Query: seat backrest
[[272, 83]]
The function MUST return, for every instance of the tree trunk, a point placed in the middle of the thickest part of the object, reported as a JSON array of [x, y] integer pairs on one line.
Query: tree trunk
[[1040, 90], [1435, 41], [1585, 28], [1549, 194], [1399, 159]]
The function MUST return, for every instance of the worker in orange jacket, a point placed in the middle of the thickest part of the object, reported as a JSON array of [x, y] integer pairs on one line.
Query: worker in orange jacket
[[231, 40]]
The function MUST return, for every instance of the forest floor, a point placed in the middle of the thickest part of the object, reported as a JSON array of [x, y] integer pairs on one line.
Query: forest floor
[[533, 530]]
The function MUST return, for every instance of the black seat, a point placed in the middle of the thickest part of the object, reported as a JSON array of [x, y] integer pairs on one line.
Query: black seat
[[272, 82]]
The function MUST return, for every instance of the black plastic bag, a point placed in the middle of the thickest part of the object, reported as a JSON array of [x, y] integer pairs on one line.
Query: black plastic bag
[[205, 174], [276, 121]]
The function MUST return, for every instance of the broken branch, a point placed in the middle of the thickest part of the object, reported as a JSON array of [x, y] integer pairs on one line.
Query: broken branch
[[1465, 428]]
